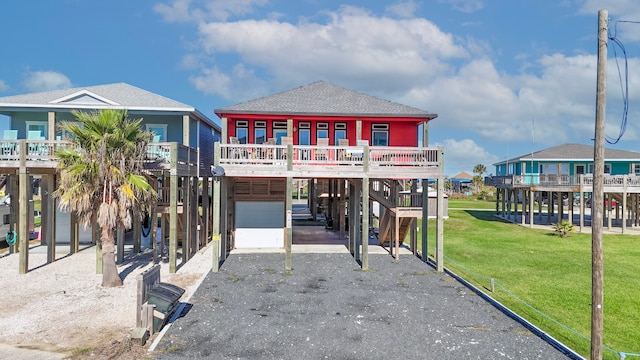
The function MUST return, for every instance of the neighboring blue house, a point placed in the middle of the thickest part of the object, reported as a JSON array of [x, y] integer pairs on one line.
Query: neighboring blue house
[[181, 152], [566, 172]]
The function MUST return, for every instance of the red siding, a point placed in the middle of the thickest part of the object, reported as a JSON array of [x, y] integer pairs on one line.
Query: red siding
[[402, 131]]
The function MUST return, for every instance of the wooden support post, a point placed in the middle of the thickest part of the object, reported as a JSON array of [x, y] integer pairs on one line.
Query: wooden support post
[[624, 204], [194, 217], [186, 224], [48, 211], [523, 193], [351, 211], [365, 223], [120, 241], [289, 220], [97, 231], [173, 210], [137, 232], [609, 207], [342, 213], [74, 226], [532, 195], [396, 235], [425, 220], [440, 226], [355, 217], [582, 203], [224, 229], [206, 212], [217, 184], [23, 210]]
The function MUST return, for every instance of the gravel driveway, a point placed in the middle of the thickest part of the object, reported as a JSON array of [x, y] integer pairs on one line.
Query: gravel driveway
[[328, 308]]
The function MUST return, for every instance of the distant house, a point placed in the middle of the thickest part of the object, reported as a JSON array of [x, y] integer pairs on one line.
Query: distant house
[[565, 172], [461, 182], [181, 151]]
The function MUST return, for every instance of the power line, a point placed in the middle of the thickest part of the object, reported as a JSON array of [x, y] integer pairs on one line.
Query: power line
[[624, 85]]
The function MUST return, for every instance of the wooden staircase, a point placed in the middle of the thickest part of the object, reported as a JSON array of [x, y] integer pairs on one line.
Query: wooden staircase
[[386, 223], [385, 192]]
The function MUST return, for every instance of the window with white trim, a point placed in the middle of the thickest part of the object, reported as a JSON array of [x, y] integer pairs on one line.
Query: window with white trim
[[40, 126], [158, 130], [379, 134]]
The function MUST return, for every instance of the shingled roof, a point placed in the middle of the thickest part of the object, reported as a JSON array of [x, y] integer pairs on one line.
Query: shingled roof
[[118, 95], [574, 152], [322, 98]]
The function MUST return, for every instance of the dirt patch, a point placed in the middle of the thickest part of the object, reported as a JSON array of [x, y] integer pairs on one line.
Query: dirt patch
[[61, 308]]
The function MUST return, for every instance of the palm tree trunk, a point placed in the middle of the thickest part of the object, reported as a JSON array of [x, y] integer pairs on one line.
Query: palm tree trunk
[[110, 276]]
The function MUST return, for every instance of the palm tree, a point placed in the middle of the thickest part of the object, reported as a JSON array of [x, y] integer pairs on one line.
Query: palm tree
[[477, 181], [102, 177]]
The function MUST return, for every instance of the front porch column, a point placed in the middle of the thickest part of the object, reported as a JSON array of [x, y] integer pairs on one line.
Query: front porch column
[[185, 130], [51, 125]]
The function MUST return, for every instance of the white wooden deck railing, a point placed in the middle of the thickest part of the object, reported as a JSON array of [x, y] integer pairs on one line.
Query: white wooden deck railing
[[264, 154]]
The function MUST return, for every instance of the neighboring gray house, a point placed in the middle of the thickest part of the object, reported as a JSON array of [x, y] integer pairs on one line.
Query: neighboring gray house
[[182, 149]]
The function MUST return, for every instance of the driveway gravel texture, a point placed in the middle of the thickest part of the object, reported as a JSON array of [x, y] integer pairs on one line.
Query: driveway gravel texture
[[327, 307]]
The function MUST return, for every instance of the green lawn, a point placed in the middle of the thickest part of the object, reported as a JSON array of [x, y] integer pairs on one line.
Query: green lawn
[[550, 273]]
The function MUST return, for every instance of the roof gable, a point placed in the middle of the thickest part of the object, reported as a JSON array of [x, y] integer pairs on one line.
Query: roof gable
[[322, 98], [83, 97]]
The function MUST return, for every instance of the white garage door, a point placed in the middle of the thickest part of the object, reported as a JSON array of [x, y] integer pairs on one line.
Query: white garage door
[[259, 224]]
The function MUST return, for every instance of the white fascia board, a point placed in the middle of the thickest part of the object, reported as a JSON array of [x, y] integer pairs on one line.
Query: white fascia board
[[80, 93], [94, 106]]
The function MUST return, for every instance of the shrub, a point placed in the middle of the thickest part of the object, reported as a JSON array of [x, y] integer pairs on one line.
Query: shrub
[[564, 228]]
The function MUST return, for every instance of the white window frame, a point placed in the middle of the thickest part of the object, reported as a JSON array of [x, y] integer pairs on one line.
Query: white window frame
[[164, 127], [44, 124]]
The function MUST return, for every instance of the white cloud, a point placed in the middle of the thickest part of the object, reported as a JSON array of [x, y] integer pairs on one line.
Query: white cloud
[[404, 9], [241, 83], [411, 61], [618, 10], [3, 86], [391, 55], [204, 10], [463, 155], [36, 81], [466, 6], [176, 11]]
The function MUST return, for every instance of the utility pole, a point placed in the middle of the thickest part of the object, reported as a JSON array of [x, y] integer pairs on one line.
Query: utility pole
[[597, 297]]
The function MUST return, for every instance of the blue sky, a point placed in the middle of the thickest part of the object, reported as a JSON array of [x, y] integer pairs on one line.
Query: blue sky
[[505, 77]]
